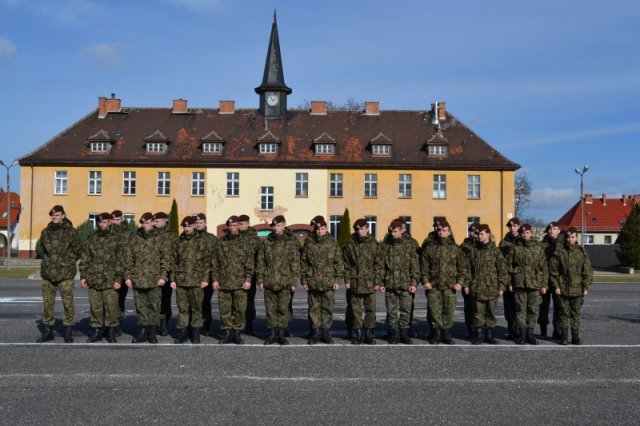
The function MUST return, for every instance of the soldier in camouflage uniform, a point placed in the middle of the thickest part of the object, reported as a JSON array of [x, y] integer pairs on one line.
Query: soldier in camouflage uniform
[[251, 239], [429, 239], [571, 274], [190, 277], [401, 272], [363, 264], [552, 241], [444, 270], [59, 249], [147, 266], [467, 246], [527, 265], [212, 244], [488, 278], [321, 272], [232, 278], [125, 236], [508, 297], [169, 245], [101, 270], [278, 275]]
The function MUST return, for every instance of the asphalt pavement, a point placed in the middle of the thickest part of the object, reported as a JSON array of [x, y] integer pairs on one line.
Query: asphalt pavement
[[81, 383]]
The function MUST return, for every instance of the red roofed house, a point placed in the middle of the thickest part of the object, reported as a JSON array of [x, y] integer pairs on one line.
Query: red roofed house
[[603, 217], [15, 208]]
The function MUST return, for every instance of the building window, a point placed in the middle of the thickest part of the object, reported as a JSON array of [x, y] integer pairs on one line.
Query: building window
[[372, 221], [268, 148], [588, 239], [61, 180], [95, 183], [334, 224], [94, 218], [156, 147], [473, 186], [100, 146], [266, 198], [335, 185], [404, 186], [233, 184], [164, 183], [129, 183], [212, 148], [381, 150], [325, 149], [471, 220], [370, 185], [608, 239], [302, 184], [439, 186], [129, 218], [407, 221], [197, 183], [438, 150]]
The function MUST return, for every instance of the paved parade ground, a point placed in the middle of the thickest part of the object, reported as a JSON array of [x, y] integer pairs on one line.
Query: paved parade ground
[[80, 383]]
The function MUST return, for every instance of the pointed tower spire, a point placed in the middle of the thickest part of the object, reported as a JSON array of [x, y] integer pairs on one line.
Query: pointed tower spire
[[273, 77]]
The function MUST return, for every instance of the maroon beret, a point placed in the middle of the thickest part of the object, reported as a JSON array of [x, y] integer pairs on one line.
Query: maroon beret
[[115, 214], [444, 224], [232, 219], [524, 227], [318, 222], [200, 216], [437, 220], [474, 227], [572, 230], [56, 209], [278, 219], [104, 216], [315, 219], [145, 217], [550, 225], [243, 218], [395, 223], [358, 224], [484, 227], [188, 220], [161, 215], [514, 221]]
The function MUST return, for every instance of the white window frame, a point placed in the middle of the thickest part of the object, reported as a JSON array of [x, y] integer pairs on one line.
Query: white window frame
[[163, 187], [404, 185], [94, 186], [335, 185], [471, 220], [325, 149], [268, 148], [302, 185], [212, 148], [371, 185], [440, 187], [334, 225], [382, 150], [197, 184], [156, 147], [94, 219], [438, 150], [267, 198], [233, 184], [129, 182], [608, 237], [407, 221], [100, 146], [61, 182], [473, 187], [129, 217], [372, 221], [588, 239]]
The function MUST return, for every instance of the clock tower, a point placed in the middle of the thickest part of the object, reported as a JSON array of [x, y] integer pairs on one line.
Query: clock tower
[[273, 91]]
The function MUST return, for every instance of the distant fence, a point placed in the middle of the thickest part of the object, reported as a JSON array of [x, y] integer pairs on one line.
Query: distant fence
[[603, 256]]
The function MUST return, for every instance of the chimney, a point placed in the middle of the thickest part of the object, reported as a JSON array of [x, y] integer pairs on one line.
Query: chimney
[[372, 108], [624, 200], [588, 198], [318, 108], [636, 199], [227, 107], [442, 110], [179, 106], [604, 199], [106, 106]]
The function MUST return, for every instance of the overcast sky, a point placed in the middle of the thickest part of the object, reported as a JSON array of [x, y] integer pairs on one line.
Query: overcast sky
[[553, 85]]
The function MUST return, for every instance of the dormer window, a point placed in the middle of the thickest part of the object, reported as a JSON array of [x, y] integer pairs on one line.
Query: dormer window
[[381, 145], [381, 150], [437, 150], [438, 145], [268, 143], [101, 142], [212, 148], [156, 143], [268, 148], [156, 147], [324, 149], [100, 146], [324, 144]]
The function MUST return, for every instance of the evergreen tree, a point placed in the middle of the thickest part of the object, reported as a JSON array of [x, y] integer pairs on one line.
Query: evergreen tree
[[85, 230], [344, 229], [174, 221], [629, 240]]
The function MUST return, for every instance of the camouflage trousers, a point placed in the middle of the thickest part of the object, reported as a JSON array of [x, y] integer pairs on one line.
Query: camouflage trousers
[[527, 304], [207, 317], [232, 305], [398, 303], [165, 302], [276, 303], [545, 304], [357, 302], [147, 301], [321, 304], [484, 312], [189, 301], [104, 307], [442, 304], [509, 303], [569, 315], [49, 300]]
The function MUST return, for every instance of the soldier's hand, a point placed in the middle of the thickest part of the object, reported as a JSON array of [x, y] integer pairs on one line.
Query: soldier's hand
[[457, 287], [83, 283], [382, 289], [335, 286], [261, 285], [428, 286], [203, 284], [500, 293], [510, 289], [306, 287], [161, 282], [412, 289], [293, 288], [543, 290], [376, 288], [216, 285], [173, 285], [466, 291], [348, 286], [246, 285], [558, 291], [128, 282], [116, 286], [585, 292]]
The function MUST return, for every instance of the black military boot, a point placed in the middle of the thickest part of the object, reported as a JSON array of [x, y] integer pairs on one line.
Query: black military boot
[[530, 338], [575, 337], [68, 334], [151, 334], [369, 337], [111, 335], [248, 329], [273, 337], [141, 336], [287, 332], [404, 337], [488, 337], [118, 330], [470, 332], [326, 336], [445, 337], [557, 333], [181, 336], [350, 331], [564, 336], [435, 336], [227, 338], [162, 330], [356, 336], [281, 337], [477, 336], [195, 335], [46, 335], [543, 331], [521, 338], [96, 336], [394, 336], [315, 336], [237, 337], [510, 331], [412, 334]]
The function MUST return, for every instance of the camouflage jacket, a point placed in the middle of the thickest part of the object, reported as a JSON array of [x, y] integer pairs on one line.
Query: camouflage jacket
[[468, 244], [60, 248], [487, 271], [125, 237], [193, 261], [550, 247], [401, 268], [527, 265], [278, 264], [321, 263], [251, 239], [443, 264], [235, 262], [169, 248], [507, 243], [363, 265], [102, 260], [212, 246], [570, 270], [147, 262]]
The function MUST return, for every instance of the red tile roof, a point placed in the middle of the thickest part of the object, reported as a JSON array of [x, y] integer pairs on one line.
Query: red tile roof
[[15, 208], [600, 214]]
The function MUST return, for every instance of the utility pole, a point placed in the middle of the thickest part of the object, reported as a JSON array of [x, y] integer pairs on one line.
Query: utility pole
[[13, 163], [582, 227]]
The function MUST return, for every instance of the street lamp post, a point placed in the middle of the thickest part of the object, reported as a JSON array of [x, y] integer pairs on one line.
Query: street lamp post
[[13, 163], [582, 227]]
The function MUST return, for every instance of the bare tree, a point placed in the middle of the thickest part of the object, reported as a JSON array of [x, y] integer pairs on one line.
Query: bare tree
[[351, 104], [522, 193]]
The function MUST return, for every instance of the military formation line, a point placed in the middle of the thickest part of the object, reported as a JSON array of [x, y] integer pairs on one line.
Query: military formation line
[[154, 262]]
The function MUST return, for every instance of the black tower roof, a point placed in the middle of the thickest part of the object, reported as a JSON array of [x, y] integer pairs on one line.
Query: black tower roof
[[273, 78]]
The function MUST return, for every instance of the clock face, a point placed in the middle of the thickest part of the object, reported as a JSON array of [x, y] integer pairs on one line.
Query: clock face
[[273, 99]]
